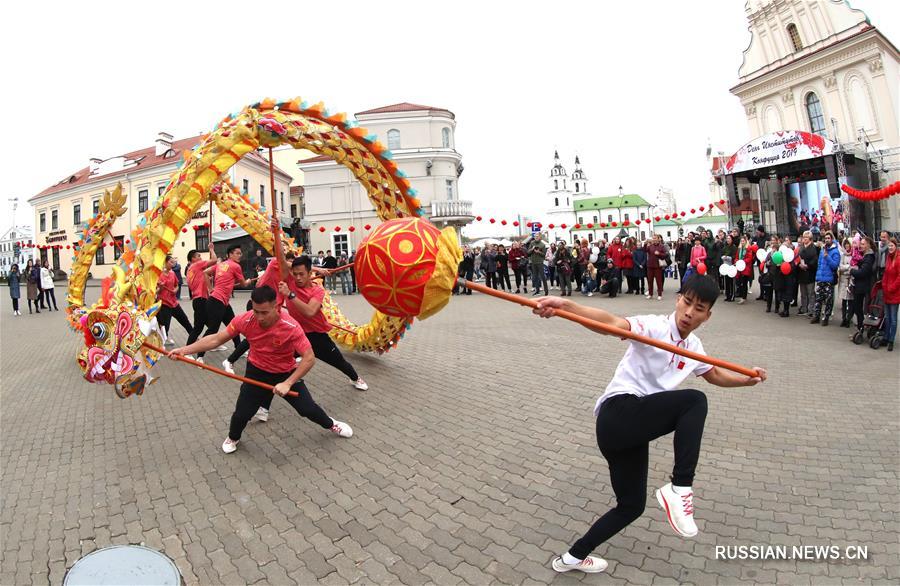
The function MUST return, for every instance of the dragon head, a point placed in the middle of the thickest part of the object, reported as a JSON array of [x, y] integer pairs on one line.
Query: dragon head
[[114, 352]]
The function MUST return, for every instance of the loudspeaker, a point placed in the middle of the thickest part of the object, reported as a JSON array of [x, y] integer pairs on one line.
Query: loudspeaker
[[831, 176]]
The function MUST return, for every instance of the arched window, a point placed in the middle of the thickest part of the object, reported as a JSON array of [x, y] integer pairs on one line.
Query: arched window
[[794, 35], [445, 138], [577, 187], [859, 103], [814, 111], [393, 139], [772, 119], [555, 183]]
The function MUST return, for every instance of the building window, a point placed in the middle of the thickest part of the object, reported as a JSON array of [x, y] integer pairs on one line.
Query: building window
[[595, 219], [794, 35], [609, 218], [814, 111], [54, 219], [627, 218], [95, 207], [161, 189], [246, 189], [393, 139], [76, 214], [119, 248], [564, 183], [449, 189], [643, 216], [43, 222], [293, 210], [643, 235], [99, 256], [142, 200], [590, 236], [445, 138], [567, 201], [580, 220], [262, 195], [556, 201], [577, 187], [201, 238], [555, 184], [340, 245], [606, 236]]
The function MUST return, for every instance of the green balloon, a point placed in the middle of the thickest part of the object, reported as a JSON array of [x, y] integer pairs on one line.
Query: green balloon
[[778, 258]]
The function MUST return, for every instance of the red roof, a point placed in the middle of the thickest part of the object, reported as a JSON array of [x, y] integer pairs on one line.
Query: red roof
[[146, 158], [405, 107]]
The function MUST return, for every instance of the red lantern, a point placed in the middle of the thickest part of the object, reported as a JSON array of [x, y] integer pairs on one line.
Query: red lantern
[[478, 218], [667, 216], [563, 226], [503, 222], [492, 220], [577, 226], [603, 224], [722, 201], [693, 211], [395, 264], [128, 242], [682, 214], [591, 225], [184, 230], [656, 218], [614, 224], [67, 247], [352, 229], [637, 222], [515, 223], [206, 224], [337, 228], [368, 226], [529, 224], [701, 208], [550, 226], [626, 222], [321, 228], [786, 268], [701, 268]]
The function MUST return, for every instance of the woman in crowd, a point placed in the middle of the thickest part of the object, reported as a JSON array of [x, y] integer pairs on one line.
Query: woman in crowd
[[639, 256], [32, 290], [807, 265], [589, 280], [781, 283], [793, 285], [743, 278], [844, 292], [729, 257], [13, 281], [682, 257], [657, 257], [478, 272], [550, 265], [891, 283], [766, 277], [563, 262], [626, 264], [503, 269], [489, 265], [863, 276], [698, 255], [518, 261], [47, 288]]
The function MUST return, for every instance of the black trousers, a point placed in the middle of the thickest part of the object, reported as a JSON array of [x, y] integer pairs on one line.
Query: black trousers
[[625, 427], [521, 277], [165, 315], [251, 398], [199, 305], [49, 295], [503, 280], [859, 307], [15, 301], [217, 315]]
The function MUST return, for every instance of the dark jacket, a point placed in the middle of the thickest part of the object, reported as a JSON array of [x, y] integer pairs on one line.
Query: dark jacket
[[467, 264], [640, 263], [14, 280], [564, 260], [809, 255], [503, 262], [517, 258], [862, 274]]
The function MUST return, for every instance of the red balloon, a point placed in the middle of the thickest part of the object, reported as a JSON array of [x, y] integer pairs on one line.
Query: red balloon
[[321, 228], [786, 268], [701, 268], [478, 218]]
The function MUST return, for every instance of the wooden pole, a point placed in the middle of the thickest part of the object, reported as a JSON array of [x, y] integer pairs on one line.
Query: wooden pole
[[217, 371], [612, 330]]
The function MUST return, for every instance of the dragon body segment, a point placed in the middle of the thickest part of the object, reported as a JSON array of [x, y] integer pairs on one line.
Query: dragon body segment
[[116, 327]]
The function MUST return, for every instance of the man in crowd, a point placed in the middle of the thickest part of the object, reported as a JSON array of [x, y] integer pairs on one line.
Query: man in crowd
[[881, 253], [609, 279], [806, 273], [330, 263], [536, 252]]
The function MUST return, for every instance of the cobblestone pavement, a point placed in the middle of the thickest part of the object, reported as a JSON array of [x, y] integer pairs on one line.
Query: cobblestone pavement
[[473, 460]]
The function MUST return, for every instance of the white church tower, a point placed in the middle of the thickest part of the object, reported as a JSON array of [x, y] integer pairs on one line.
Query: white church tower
[[560, 209]]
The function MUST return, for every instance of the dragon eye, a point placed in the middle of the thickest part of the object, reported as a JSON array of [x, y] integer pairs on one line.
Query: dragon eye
[[98, 331]]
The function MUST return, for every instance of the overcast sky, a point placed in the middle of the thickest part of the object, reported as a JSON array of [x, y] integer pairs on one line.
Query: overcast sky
[[634, 88]]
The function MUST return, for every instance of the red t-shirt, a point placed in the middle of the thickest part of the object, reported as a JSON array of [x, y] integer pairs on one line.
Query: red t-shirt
[[316, 323], [271, 277], [168, 283], [197, 279], [271, 349], [228, 274]]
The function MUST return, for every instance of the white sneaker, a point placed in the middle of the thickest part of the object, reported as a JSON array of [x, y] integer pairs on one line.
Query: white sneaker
[[741, 301], [229, 367], [341, 428], [190, 357], [200, 360], [647, 296], [229, 446], [590, 565], [590, 293], [679, 510], [659, 298], [262, 414], [360, 384]]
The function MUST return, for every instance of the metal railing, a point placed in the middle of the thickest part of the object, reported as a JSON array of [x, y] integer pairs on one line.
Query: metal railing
[[453, 208]]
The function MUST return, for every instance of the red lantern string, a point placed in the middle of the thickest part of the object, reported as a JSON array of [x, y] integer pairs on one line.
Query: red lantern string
[[503, 222], [367, 227], [352, 229], [337, 228], [478, 218], [550, 226], [492, 220], [515, 223], [563, 226], [321, 228]]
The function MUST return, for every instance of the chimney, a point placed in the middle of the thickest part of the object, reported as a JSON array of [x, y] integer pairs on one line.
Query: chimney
[[163, 143], [93, 165]]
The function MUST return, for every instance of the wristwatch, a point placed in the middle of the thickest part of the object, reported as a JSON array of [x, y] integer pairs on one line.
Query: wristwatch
[[292, 295]]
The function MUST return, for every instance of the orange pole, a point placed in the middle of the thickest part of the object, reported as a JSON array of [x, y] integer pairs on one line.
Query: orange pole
[[218, 371], [612, 330], [279, 251]]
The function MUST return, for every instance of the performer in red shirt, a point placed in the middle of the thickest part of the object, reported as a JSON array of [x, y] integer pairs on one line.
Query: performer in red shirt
[[274, 338], [198, 275], [218, 306], [166, 288]]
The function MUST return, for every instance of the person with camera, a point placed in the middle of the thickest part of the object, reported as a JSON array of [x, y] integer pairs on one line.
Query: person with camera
[[537, 251]]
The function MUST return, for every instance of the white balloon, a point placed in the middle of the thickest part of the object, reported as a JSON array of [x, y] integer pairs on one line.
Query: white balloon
[[787, 253], [740, 265], [732, 271], [761, 255], [723, 270], [594, 258], [595, 250]]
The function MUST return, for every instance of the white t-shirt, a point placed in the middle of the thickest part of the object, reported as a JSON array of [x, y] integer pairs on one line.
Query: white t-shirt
[[644, 369]]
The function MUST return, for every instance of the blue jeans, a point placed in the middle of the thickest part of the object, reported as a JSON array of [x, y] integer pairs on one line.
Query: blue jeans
[[890, 321], [588, 285], [538, 277]]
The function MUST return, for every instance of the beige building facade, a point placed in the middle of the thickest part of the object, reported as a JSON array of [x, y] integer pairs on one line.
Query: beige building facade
[[61, 210], [820, 66]]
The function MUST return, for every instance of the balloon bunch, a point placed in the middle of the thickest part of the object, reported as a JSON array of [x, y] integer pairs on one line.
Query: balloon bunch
[[876, 195]]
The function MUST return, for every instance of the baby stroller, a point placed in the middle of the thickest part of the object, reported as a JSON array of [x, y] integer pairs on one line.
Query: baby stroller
[[873, 320]]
